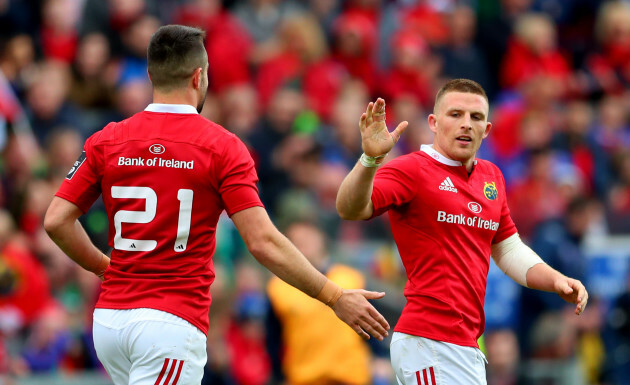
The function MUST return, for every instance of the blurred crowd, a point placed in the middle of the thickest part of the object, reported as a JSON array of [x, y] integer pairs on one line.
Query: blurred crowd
[[291, 79]]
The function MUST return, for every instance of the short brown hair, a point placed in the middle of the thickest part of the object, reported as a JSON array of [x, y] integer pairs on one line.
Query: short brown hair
[[460, 85], [174, 52]]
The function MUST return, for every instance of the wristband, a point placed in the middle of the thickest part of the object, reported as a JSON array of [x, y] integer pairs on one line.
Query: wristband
[[371, 161], [330, 293]]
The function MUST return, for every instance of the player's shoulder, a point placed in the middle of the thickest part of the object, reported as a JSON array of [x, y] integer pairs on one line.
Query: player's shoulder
[[487, 167], [194, 129]]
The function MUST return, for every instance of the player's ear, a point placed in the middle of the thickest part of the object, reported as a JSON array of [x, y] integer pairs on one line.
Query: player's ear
[[433, 123], [197, 78], [487, 131]]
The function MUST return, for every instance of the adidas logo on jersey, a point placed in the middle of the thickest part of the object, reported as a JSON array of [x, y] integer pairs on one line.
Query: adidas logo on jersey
[[447, 185]]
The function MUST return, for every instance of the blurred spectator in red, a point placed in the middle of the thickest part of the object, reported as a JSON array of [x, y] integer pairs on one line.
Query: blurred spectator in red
[[427, 21], [461, 57], [355, 38], [610, 67], [302, 57], [413, 69], [538, 95], [93, 83], [24, 285], [228, 42], [533, 52], [58, 34]]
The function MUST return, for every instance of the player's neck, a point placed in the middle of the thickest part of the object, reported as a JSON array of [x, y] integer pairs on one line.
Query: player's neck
[[175, 97]]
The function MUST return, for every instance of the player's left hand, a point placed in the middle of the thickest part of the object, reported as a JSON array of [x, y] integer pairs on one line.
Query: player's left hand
[[572, 291]]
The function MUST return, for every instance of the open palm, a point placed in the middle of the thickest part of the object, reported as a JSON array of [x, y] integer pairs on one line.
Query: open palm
[[376, 140]]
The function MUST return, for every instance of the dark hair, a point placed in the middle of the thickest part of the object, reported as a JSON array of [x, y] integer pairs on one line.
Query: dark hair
[[460, 85], [174, 52]]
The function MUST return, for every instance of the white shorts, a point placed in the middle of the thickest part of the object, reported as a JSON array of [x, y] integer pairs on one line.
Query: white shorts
[[422, 361], [148, 347]]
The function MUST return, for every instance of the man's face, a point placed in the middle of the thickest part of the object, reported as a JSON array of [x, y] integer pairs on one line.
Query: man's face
[[460, 123]]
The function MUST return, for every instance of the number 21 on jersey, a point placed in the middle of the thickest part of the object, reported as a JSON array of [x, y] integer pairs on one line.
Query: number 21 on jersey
[[185, 197]]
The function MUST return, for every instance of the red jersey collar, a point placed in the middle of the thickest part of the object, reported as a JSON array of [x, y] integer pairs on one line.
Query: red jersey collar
[[171, 108], [428, 148]]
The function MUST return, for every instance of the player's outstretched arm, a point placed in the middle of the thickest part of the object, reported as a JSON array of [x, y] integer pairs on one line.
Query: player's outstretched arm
[[544, 277], [354, 196], [274, 251], [64, 229]]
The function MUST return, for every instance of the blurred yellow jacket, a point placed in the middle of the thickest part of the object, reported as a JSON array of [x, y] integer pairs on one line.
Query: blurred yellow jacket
[[319, 349]]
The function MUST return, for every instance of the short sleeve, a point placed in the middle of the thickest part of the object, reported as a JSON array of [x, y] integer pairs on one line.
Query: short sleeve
[[395, 184], [237, 178], [507, 227], [82, 184]]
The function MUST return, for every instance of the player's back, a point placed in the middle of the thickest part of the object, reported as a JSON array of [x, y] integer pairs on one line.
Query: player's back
[[164, 180]]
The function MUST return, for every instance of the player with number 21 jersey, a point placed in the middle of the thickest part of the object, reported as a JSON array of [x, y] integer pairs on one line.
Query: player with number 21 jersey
[[162, 219]]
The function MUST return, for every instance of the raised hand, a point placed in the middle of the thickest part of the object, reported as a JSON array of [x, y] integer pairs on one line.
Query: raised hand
[[354, 309], [376, 140]]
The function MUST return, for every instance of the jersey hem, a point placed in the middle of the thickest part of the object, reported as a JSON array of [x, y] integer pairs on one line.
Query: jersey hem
[[198, 325], [245, 206], [436, 338]]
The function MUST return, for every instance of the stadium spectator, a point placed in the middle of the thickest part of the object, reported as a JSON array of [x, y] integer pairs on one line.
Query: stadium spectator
[[436, 335], [228, 42], [461, 56], [533, 52], [608, 67], [298, 326], [155, 316], [502, 349], [93, 83], [59, 35]]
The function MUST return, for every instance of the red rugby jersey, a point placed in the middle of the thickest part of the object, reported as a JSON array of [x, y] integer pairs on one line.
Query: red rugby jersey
[[166, 174], [444, 223]]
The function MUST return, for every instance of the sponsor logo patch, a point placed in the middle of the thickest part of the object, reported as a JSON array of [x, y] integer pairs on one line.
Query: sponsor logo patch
[[76, 166]]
